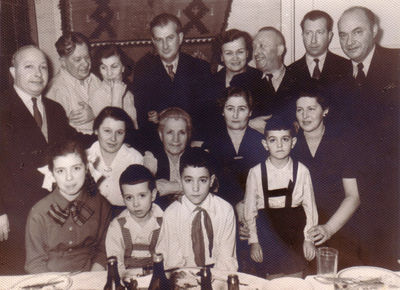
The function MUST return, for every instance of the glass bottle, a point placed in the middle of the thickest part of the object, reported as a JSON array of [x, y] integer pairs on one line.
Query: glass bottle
[[159, 280], [113, 279], [205, 275], [233, 282]]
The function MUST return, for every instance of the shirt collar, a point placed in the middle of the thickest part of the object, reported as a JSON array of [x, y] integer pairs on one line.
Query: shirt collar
[[366, 63], [174, 63], [206, 204], [311, 63], [276, 74], [287, 167], [26, 98], [72, 79]]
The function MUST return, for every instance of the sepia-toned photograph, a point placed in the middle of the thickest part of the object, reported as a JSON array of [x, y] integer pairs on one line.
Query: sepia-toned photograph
[[200, 144]]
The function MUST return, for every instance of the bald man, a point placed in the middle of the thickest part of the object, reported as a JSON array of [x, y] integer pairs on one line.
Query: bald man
[[375, 115], [272, 86], [28, 123]]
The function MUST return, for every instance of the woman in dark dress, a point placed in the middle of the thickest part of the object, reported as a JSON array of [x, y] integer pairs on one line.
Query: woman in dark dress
[[328, 157], [232, 49], [237, 147]]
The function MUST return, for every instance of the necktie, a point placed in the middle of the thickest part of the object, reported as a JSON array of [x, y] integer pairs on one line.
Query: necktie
[[360, 78], [36, 113], [198, 237], [171, 73], [269, 81], [316, 73]]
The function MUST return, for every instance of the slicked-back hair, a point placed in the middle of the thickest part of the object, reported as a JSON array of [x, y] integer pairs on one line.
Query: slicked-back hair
[[372, 18], [277, 32], [67, 43], [229, 36], [318, 14], [163, 19]]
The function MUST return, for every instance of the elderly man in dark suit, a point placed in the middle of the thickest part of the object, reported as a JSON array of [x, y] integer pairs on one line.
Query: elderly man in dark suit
[[29, 122], [171, 78], [272, 86], [375, 115]]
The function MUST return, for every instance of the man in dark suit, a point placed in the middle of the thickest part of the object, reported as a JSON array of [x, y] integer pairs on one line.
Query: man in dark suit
[[321, 67], [375, 115], [272, 86], [318, 62], [171, 78], [29, 122]]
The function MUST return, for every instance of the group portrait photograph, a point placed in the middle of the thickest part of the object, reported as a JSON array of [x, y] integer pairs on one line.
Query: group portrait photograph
[[200, 144]]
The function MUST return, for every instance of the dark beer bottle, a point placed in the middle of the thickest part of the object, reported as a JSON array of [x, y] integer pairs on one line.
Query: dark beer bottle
[[113, 279], [205, 274], [159, 280], [233, 282]]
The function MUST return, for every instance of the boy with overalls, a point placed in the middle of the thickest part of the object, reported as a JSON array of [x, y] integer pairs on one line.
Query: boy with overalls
[[132, 236], [280, 206]]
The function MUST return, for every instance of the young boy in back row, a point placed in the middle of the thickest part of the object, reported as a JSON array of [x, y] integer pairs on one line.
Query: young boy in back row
[[200, 228], [132, 236], [280, 197]]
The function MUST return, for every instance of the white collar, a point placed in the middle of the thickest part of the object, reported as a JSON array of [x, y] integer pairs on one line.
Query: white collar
[[366, 63], [311, 63], [174, 63], [26, 98]]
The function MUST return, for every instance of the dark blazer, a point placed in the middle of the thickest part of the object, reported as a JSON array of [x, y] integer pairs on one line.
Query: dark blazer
[[22, 151], [266, 99], [335, 67], [154, 89], [376, 118]]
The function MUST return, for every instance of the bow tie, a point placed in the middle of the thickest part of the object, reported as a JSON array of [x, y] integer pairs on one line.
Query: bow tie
[[79, 211]]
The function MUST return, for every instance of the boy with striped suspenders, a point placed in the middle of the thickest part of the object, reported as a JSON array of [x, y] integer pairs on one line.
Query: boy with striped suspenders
[[133, 234]]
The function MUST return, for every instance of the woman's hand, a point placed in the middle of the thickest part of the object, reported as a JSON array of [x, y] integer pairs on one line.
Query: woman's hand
[[259, 123], [152, 116], [81, 116], [165, 187], [309, 250], [150, 162], [118, 89], [319, 234], [256, 252], [4, 227]]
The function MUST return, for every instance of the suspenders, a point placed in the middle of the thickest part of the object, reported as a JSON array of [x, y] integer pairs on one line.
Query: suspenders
[[278, 192], [129, 246]]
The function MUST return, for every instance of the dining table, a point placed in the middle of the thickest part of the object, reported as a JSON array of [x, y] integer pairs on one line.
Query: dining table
[[97, 280]]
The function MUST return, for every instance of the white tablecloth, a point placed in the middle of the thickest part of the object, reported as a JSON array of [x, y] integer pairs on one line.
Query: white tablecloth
[[97, 280]]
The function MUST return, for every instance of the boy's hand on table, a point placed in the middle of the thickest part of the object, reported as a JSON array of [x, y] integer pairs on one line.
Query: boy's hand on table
[[256, 253], [319, 234]]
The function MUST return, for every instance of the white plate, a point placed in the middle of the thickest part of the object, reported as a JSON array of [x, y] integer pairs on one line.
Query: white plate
[[366, 272], [289, 283], [65, 281]]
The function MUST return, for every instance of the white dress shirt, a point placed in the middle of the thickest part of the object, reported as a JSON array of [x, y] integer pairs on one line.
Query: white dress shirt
[[109, 187], [366, 63], [115, 245], [311, 63], [303, 194], [175, 242], [69, 92], [27, 100]]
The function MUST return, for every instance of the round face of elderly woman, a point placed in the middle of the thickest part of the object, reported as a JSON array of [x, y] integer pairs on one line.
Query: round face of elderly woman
[[310, 114], [234, 55], [111, 135], [111, 68], [236, 112], [174, 136]]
